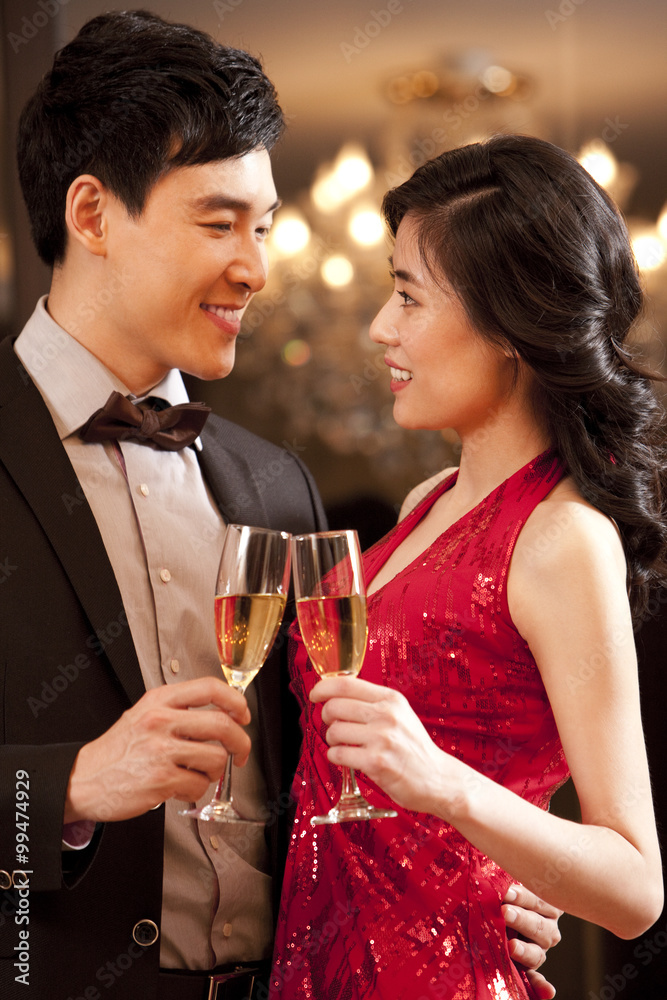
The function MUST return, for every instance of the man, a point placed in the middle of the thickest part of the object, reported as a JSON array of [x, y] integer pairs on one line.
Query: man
[[144, 160]]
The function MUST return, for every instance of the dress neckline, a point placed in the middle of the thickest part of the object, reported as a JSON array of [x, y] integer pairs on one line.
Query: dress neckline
[[419, 511]]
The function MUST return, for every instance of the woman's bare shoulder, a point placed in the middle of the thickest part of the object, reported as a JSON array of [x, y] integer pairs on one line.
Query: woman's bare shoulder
[[417, 493], [565, 529]]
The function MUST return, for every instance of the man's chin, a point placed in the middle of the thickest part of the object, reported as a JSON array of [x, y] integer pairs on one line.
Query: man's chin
[[212, 371]]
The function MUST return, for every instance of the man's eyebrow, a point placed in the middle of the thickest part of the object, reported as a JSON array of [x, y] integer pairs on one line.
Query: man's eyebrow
[[215, 202], [404, 275]]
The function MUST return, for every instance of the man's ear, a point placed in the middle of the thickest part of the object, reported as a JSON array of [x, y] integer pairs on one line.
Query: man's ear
[[85, 213]]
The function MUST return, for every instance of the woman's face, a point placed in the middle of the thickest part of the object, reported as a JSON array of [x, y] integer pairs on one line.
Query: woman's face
[[443, 373]]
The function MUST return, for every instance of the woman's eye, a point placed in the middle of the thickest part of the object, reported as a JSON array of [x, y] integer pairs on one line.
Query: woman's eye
[[407, 299]]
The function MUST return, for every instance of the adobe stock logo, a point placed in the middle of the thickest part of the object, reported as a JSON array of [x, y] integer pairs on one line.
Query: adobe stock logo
[[363, 35], [30, 26]]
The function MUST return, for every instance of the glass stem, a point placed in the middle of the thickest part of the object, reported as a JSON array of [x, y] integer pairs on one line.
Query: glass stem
[[223, 791], [350, 788]]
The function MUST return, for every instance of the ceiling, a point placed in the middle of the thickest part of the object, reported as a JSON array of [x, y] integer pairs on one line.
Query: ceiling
[[590, 62]]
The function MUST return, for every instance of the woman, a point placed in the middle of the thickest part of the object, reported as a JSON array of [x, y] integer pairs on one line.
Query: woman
[[501, 655]]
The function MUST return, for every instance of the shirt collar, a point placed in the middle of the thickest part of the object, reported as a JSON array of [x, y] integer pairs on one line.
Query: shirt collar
[[72, 381]]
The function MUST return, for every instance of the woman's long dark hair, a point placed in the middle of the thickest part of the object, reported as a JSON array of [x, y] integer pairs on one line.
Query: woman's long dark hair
[[540, 258]]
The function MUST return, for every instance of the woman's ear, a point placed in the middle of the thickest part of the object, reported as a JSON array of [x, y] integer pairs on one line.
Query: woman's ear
[[85, 213]]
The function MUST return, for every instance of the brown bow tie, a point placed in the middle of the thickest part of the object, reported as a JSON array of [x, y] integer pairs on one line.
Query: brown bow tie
[[171, 427]]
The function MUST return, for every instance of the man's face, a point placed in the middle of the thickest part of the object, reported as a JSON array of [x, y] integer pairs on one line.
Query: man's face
[[191, 263]]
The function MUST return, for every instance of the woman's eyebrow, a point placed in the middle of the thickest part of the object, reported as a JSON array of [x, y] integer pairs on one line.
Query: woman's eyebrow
[[404, 275]]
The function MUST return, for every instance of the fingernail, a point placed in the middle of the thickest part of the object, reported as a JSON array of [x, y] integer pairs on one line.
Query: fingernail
[[511, 894], [510, 915], [518, 949]]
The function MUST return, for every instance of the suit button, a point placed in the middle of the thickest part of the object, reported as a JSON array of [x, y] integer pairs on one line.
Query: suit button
[[145, 933]]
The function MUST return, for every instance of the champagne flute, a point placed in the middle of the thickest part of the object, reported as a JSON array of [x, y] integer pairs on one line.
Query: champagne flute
[[250, 596], [331, 607]]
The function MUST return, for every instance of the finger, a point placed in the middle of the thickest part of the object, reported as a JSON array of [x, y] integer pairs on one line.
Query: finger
[[541, 930], [348, 687], [520, 896], [351, 710], [348, 733], [208, 759], [542, 988], [344, 755], [526, 953], [191, 786], [200, 692], [205, 726]]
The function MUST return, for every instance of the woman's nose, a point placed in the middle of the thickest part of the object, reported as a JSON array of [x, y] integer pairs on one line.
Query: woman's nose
[[382, 329]]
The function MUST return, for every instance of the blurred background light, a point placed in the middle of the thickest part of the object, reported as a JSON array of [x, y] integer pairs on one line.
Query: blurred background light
[[337, 271], [366, 227], [290, 233], [600, 162]]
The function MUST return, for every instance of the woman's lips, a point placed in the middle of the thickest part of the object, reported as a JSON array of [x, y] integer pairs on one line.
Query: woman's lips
[[400, 377]]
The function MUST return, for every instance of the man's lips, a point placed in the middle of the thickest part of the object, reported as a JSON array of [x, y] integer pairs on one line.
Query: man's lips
[[224, 317]]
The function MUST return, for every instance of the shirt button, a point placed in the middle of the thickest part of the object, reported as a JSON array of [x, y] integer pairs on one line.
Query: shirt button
[[214, 842], [227, 930], [143, 489], [175, 666], [165, 575]]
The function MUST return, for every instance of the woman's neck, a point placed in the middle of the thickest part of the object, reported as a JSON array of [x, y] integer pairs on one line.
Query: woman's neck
[[494, 452]]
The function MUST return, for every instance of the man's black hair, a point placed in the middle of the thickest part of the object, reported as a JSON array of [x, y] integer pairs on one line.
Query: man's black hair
[[129, 98]]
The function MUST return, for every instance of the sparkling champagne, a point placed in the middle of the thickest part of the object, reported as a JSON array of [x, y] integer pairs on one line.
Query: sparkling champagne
[[245, 626], [334, 631]]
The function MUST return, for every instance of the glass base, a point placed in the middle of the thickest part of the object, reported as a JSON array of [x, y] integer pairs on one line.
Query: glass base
[[350, 808], [219, 812]]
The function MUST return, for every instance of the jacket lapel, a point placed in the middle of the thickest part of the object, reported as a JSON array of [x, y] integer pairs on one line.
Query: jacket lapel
[[35, 458], [230, 478]]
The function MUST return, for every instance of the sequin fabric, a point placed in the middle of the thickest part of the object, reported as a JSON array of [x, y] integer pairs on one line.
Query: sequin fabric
[[408, 908]]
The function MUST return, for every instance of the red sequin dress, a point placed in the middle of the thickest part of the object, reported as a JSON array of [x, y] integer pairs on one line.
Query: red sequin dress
[[407, 908]]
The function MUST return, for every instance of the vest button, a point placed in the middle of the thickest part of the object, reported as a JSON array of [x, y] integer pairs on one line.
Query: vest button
[[145, 933]]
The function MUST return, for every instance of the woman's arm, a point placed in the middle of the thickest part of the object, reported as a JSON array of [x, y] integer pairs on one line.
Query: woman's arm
[[568, 600]]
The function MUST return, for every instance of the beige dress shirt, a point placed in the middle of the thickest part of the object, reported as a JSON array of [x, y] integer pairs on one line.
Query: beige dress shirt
[[163, 535]]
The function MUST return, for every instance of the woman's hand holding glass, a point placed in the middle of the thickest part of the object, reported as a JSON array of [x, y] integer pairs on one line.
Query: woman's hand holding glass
[[331, 607]]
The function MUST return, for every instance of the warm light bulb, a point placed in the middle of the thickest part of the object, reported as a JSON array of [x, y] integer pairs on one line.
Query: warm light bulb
[[662, 223], [290, 234], [366, 227], [599, 162], [337, 271], [353, 170], [498, 80], [649, 252], [327, 193]]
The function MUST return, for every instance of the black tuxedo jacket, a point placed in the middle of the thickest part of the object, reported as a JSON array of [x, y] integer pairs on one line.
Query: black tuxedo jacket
[[68, 669]]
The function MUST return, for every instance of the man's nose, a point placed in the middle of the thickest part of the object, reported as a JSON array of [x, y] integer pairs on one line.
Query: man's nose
[[249, 267]]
